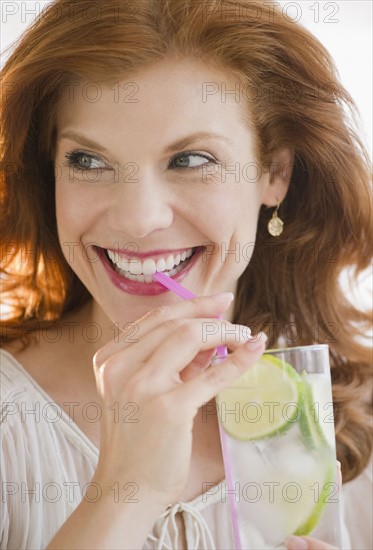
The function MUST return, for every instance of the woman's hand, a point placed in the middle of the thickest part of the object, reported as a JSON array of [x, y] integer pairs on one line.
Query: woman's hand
[[157, 385], [307, 543]]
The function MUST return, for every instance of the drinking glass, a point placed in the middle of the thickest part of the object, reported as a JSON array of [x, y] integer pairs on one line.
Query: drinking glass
[[277, 433]]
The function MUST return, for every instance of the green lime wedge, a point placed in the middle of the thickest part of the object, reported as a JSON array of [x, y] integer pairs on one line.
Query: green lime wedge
[[315, 441], [309, 423], [263, 402], [309, 525]]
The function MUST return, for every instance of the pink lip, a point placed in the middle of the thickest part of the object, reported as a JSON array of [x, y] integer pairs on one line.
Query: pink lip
[[143, 289], [129, 254]]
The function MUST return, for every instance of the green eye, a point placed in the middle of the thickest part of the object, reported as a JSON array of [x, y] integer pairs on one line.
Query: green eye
[[84, 161], [190, 160]]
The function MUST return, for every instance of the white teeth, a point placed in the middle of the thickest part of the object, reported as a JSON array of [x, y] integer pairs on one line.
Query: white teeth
[[161, 265], [137, 270], [170, 262], [122, 263], [111, 255], [135, 267], [148, 278], [148, 267]]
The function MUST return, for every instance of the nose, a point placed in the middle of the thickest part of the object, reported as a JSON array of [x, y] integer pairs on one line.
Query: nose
[[141, 206]]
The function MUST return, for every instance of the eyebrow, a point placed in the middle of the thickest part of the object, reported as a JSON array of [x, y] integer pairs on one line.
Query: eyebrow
[[178, 145], [83, 140], [185, 142]]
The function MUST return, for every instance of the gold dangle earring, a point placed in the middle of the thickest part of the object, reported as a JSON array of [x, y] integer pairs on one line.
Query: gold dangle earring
[[275, 224]]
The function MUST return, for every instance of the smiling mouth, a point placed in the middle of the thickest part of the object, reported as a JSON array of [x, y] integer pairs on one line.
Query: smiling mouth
[[135, 269]]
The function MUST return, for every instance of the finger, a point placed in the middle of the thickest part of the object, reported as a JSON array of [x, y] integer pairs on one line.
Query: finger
[[307, 543], [199, 363], [185, 344], [165, 352], [203, 306], [204, 387], [178, 341]]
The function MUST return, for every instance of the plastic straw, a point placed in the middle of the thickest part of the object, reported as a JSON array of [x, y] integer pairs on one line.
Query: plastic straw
[[185, 294], [169, 283]]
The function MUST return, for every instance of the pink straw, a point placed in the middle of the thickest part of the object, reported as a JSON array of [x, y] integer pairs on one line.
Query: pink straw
[[185, 294]]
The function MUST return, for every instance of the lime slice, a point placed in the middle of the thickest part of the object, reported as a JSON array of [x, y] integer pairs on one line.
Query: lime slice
[[309, 525], [263, 402], [309, 424], [315, 440]]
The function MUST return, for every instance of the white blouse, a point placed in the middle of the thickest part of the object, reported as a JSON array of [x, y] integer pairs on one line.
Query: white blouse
[[47, 462]]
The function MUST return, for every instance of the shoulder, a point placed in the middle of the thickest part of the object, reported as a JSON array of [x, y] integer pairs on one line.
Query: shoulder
[[30, 473], [13, 378], [18, 396], [21, 402]]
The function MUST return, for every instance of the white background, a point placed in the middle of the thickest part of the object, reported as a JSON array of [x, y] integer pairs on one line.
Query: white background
[[344, 27]]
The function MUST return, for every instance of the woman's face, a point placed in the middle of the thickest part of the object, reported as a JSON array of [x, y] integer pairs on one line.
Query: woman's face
[[167, 168]]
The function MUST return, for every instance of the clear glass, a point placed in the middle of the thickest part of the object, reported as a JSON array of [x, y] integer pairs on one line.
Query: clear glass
[[278, 442]]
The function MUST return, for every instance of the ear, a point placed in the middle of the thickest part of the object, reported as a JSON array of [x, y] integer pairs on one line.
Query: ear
[[277, 179]]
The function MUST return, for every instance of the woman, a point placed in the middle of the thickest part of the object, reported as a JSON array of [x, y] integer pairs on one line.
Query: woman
[[167, 134]]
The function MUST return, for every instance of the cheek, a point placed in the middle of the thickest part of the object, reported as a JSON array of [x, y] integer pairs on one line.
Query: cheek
[[231, 229], [245, 213], [233, 212], [74, 218], [73, 213]]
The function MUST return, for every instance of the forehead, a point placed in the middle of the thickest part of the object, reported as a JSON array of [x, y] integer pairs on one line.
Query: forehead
[[169, 91]]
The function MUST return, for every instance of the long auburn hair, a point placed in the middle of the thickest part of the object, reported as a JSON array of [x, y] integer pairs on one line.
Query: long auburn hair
[[291, 287]]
